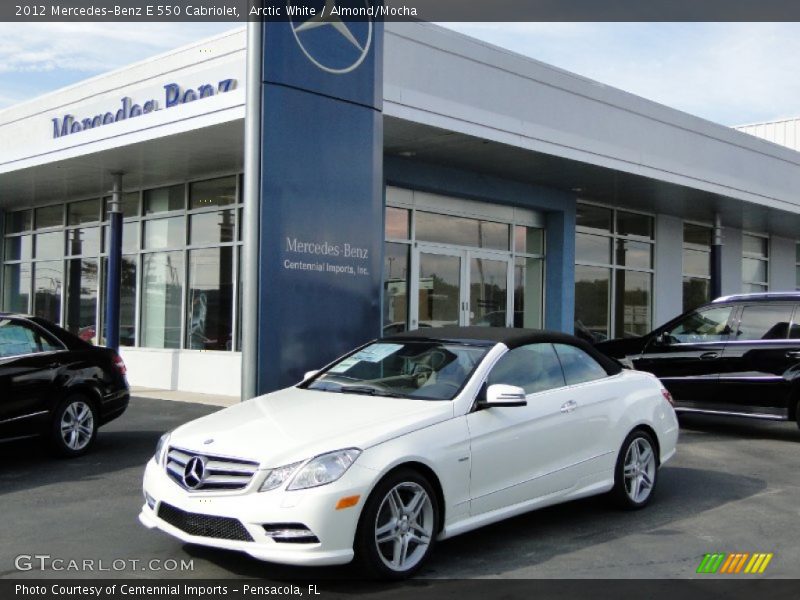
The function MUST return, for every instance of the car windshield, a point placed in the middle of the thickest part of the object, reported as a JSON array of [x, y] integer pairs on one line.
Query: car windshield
[[419, 369]]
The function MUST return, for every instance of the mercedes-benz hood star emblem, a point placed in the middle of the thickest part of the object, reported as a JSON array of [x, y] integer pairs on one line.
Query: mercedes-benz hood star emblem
[[357, 43]]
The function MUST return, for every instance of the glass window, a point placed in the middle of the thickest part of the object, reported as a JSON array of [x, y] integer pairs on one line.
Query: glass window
[[488, 292], [83, 241], [528, 240], [17, 339], [710, 325], [48, 277], [85, 211], [395, 287], [696, 292], [578, 366], [594, 218], [127, 300], [592, 288], [592, 248], [397, 223], [19, 221], [130, 237], [165, 233], [754, 245], [696, 262], [211, 227], [81, 306], [50, 216], [213, 192], [634, 225], [697, 235], [164, 199], [18, 248], [129, 205], [754, 270], [162, 292], [636, 255], [209, 314], [16, 288], [633, 301], [528, 292], [461, 231], [764, 322], [50, 245], [534, 368]]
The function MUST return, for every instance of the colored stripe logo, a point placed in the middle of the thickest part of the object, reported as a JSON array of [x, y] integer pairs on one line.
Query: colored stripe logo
[[734, 563]]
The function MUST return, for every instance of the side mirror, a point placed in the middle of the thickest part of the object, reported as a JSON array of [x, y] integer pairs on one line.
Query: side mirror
[[309, 374], [500, 394], [663, 339]]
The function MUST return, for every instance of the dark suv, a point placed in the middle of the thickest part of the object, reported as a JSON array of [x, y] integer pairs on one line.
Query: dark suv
[[738, 355]]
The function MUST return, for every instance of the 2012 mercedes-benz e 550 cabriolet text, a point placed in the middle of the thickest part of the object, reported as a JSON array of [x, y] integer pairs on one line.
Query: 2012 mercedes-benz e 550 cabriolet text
[[408, 440]]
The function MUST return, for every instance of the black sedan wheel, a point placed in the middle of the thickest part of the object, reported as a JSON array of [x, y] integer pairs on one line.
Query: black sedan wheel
[[74, 426]]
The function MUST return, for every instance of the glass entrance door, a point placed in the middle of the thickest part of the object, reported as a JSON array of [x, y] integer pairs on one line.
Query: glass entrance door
[[439, 289], [488, 291], [460, 287]]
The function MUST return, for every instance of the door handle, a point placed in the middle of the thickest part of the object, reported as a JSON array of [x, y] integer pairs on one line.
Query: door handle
[[709, 355], [53, 365], [793, 354], [568, 407]]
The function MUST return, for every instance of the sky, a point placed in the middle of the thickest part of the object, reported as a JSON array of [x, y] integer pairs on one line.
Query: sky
[[731, 73]]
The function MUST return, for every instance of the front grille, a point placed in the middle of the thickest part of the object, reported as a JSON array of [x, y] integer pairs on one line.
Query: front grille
[[224, 528], [219, 472]]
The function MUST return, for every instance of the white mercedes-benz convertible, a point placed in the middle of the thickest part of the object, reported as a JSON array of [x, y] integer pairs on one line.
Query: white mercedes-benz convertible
[[409, 440]]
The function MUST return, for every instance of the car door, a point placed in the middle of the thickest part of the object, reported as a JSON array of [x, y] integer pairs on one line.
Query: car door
[[523, 452], [685, 355], [27, 369], [756, 359]]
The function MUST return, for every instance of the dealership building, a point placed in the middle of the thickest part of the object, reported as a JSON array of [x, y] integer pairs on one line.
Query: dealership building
[[512, 194]]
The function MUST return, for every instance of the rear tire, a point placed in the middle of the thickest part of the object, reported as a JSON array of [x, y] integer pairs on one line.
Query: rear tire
[[398, 527], [74, 427], [636, 471]]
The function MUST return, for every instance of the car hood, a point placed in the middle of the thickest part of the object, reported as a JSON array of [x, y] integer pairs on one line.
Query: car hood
[[295, 424]]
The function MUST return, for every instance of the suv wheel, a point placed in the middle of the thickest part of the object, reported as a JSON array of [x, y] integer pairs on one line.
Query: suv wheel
[[74, 427]]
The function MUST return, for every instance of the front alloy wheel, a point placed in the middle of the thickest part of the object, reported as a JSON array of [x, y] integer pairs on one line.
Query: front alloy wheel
[[74, 427], [636, 471], [398, 526]]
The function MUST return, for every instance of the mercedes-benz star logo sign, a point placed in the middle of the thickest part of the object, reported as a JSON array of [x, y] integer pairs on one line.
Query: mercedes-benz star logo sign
[[355, 43], [194, 472]]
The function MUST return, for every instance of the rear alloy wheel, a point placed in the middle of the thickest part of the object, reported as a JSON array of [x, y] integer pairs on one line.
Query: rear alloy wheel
[[636, 471], [74, 427], [398, 526]]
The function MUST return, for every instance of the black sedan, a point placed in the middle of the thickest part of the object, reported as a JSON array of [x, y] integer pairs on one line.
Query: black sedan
[[55, 385]]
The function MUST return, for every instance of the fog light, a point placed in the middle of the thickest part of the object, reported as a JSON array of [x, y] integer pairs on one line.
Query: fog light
[[151, 502], [290, 533]]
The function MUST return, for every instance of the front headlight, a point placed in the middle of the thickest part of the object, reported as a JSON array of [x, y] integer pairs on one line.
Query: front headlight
[[161, 449], [276, 477], [324, 469]]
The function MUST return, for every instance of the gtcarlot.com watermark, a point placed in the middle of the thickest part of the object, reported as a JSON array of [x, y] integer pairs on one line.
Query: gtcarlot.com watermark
[[47, 562]]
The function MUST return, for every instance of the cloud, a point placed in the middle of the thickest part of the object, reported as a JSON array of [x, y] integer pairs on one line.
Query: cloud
[[39, 57]]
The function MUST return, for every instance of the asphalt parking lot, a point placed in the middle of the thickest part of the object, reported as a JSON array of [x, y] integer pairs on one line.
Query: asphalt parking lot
[[733, 487]]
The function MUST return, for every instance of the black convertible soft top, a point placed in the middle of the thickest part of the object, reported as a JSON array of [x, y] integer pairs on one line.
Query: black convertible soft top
[[511, 337]]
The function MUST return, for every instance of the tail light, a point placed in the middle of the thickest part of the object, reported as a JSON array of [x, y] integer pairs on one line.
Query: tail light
[[667, 396], [120, 365]]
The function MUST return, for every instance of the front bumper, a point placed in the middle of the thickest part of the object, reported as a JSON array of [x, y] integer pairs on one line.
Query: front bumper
[[314, 508]]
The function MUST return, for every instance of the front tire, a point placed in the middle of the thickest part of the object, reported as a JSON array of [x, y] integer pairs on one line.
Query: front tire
[[636, 471], [74, 427], [398, 526]]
